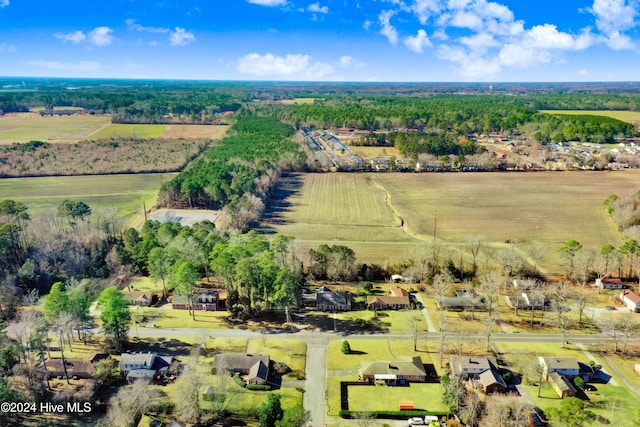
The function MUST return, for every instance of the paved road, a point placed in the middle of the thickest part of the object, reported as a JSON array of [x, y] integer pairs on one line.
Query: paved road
[[315, 398]]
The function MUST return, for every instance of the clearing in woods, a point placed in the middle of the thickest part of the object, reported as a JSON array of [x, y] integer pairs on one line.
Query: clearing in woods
[[384, 217], [625, 116]]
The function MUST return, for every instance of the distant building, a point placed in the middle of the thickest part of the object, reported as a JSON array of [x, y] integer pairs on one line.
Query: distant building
[[611, 283], [254, 367], [202, 300]]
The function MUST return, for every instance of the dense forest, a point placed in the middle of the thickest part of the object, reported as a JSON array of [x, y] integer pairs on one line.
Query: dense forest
[[239, 173]]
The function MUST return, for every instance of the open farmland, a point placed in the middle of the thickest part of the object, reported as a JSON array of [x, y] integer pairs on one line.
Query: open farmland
[[623, 115], [195, 131], [384, 217], [126, 193], [24, 127], [117, 130]]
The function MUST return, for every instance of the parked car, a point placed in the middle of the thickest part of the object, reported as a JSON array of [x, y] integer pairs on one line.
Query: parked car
[[416, 421]]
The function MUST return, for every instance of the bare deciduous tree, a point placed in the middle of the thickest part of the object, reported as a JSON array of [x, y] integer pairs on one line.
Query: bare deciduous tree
[[187, 387], [131, 402]]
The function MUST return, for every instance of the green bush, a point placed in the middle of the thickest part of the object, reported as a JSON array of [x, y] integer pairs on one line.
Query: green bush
[[239, 381], [258, 387], [346, 347]]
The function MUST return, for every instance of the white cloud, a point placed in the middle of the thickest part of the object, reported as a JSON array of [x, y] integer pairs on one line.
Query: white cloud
[[134, 26], [469, 65], [315, 7], [388, 30], [480, 41], [619, 41], [583, 72], [426, 9], [614, 15], [101, 36], [367, 25], [4, 3], [418, 42], [181, 37], [82, 66], [347, 61], [5, 47], [268, 3], [74, 37], [289, 67]]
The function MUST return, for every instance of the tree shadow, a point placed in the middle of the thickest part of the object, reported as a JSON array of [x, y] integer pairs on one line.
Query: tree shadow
[[163, 346], [279, 205]]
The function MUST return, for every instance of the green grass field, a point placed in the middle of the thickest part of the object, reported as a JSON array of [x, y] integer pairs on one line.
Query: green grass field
[[625, 116], [129, 131], [126, 193], [28, 126], [384, 217]]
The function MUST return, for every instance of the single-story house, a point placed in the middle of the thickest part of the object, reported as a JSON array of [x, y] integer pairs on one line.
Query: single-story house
[[471, 366], [610, 283], [567, 366], [140, 298], [491, 381], [326, 299], [561, 385], [74, 368], [399, 299], [203, 300], [631, 300], [524, 285], [150, 364], [393, 372], [254, 366]]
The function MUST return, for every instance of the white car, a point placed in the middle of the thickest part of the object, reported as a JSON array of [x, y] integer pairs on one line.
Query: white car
[[416, 421]]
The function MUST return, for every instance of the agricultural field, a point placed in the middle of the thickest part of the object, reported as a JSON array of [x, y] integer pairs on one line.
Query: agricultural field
[[117, 130], [623, 115], [125, 193], [195, 131], [24, 127], [386, 217]]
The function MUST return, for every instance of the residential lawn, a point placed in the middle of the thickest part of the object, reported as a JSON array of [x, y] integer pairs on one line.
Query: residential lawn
[[290, 352], [129, 131], [613, 401], [363, 350], [365, 320], [144, 284], [170, 318], [426, 397], [624, 362]]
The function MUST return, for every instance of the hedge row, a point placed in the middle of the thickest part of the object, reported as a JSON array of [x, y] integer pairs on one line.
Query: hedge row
[[393, 415]]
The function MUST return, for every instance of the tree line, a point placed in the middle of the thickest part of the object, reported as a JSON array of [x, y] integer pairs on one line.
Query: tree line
[[237, 174]]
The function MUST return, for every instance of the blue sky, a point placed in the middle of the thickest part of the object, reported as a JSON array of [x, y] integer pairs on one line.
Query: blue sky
[[325, 40]]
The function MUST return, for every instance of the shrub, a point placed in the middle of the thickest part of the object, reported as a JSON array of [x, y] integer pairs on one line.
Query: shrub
[[239, 381], [346, 347], [258, 387]]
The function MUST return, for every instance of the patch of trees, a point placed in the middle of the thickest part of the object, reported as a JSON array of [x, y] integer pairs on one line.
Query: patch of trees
[[132, 101], [547, 128], [625, 211], [462, 114], [239, 173], [438, 144], [122, 155]]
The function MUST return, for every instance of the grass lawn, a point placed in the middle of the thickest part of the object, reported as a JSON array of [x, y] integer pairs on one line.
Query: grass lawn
[[26, 127], [129, 131], [290, 352], [144, 283], [613, 401], [363, 350], [426, 397], [126, 193], [385, 217], [171, 318]]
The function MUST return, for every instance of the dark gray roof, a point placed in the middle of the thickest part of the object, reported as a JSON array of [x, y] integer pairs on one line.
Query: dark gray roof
[[333, 298], [460, 364], [141, 373], [259, 370], [405, 365], [144, 359], [239, 361], [492, 376]]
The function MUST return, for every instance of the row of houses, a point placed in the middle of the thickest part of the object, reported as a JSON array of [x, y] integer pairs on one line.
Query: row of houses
[[328, 300]]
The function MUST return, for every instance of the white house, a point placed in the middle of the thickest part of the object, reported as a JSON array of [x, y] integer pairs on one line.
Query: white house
[[567, 366], [631, 300]]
